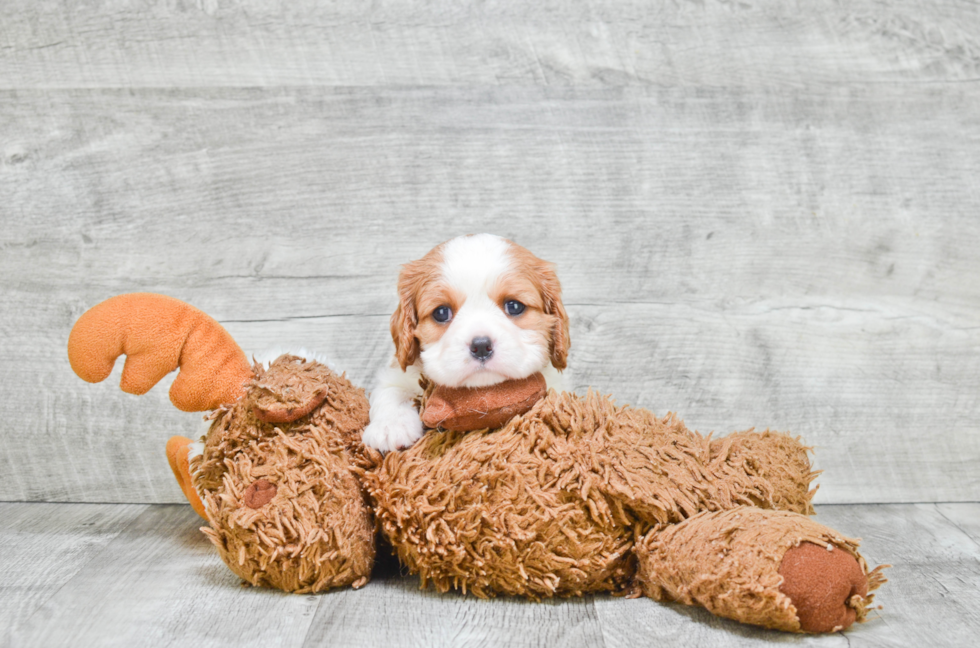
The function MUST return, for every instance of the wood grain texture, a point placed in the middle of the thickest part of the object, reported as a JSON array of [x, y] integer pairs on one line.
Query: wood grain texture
[[966, 517], [159, 583], [394, 610], [207, 43], [43, 546], [744, 257]]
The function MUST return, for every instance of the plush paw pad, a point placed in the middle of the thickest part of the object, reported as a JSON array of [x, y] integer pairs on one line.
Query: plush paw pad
[[259, 493], [821, 584]]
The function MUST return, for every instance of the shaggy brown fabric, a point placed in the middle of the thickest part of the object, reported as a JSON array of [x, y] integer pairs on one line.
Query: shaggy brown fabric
[[729, 562], [316, 530], [463, 409], [781, 460], [549, 504]]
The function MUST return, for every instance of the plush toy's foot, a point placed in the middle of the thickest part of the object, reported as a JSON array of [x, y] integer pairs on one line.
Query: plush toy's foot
[[770, 568], [178, 448], [821, 584]]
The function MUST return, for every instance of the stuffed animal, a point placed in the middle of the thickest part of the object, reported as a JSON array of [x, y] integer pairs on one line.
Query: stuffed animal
[[517, 491], [277, 473]]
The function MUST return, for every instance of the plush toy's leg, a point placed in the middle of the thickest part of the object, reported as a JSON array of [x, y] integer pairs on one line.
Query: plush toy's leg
[[777, 467], [769, 568], [662, 472], [178, 448]]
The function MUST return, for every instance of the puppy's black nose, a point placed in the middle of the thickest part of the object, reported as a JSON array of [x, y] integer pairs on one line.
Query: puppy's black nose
[[481, 348]]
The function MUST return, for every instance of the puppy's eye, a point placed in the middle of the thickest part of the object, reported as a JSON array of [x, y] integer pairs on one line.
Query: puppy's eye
[[514, 307], [442, 314]]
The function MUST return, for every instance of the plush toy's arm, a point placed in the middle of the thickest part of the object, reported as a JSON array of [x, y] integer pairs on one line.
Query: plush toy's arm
[[159, 334]]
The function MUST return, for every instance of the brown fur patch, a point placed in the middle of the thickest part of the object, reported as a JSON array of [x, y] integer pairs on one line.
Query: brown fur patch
[[545, 280], [405, 320]]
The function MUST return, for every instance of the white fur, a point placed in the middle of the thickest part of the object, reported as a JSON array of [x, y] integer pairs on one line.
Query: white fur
[[471, 265], [395, 422]]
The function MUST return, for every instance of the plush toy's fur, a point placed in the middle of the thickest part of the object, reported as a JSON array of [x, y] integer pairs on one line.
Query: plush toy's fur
[[571, 496], [576, 495], [549, 504], [283, 499], [734, 563]]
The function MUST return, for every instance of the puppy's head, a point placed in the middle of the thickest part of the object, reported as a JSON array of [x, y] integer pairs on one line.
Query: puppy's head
[[478, 310]]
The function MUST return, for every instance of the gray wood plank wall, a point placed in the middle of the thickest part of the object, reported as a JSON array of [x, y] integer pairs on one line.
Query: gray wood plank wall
[[763, 213]]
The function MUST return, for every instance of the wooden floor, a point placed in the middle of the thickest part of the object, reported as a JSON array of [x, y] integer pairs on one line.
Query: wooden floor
[[143, 575]]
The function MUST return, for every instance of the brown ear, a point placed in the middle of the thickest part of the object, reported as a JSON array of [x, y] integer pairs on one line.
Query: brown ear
[[405, 318], [551, 292]]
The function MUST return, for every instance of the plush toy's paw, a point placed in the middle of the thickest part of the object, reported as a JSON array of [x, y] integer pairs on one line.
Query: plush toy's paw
[[774, 569], [398, 428], [826, 584]]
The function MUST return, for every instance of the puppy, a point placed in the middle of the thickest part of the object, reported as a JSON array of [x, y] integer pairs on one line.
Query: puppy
[[475, 311]]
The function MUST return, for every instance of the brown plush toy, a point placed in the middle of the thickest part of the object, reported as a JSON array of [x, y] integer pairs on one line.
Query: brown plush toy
[[519, 492], [578, 495], [277, 473]]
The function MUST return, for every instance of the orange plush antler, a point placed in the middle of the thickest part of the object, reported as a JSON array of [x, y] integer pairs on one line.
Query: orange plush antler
[[159, 334]]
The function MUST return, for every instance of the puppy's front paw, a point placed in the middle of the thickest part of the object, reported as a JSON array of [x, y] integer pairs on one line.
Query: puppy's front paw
[[399, 428]]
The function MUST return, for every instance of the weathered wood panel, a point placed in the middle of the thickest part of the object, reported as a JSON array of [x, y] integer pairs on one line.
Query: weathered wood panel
[[743, 257], [159, 583], [394, 610], [207, 43], [43, 546], [966, 517]]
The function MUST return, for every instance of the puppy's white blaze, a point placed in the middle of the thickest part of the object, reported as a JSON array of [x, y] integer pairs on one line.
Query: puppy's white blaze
[[471, 264]]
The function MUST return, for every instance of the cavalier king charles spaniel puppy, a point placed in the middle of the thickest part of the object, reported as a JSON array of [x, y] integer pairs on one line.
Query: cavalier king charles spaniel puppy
[[475, 311]]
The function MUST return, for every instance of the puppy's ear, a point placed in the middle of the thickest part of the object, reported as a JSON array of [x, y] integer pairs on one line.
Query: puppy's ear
[[405, 318], [551, 293]]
